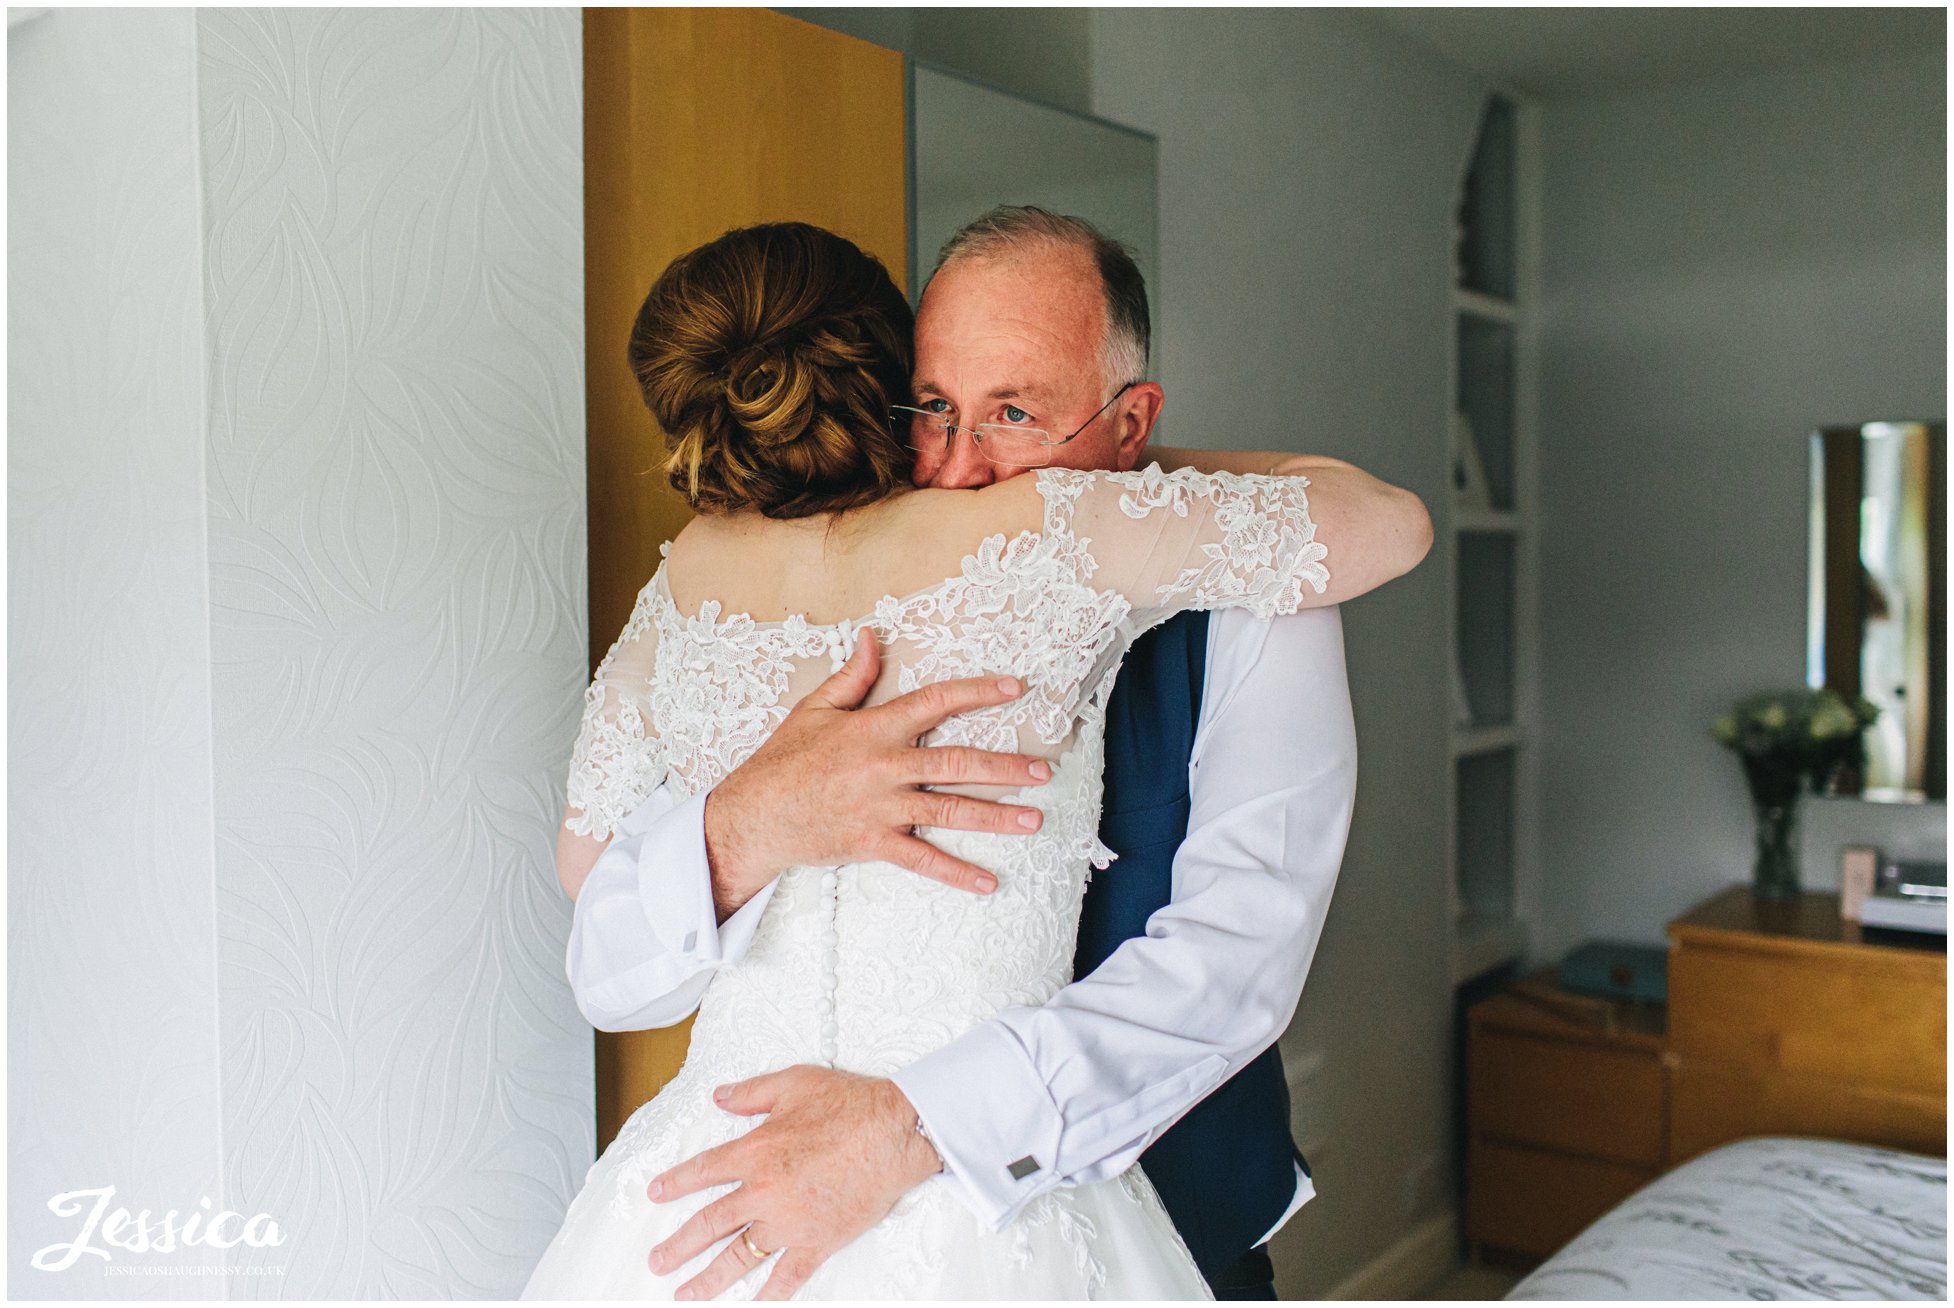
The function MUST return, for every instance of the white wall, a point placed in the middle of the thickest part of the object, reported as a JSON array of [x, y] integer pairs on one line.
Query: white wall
[[111, 926], [1309, 162], [314, 874], [1728, 264]]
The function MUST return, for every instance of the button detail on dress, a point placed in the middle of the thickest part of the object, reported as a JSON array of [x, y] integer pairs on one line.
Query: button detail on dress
[[836, 641], [830, 964]]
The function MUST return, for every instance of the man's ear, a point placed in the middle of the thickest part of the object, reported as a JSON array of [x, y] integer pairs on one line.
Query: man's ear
[[1139, 410]]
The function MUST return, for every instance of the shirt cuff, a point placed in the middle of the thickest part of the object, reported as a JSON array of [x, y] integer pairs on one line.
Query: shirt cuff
[[658, 992], [992, 1120], [674, 879]]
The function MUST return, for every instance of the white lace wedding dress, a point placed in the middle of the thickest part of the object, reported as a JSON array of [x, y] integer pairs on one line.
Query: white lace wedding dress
[[868, 966]]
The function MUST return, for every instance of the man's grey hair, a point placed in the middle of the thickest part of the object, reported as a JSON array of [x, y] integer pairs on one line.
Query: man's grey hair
[[1013, 227]]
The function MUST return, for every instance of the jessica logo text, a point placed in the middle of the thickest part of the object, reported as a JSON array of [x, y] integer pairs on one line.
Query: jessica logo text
[[118, 1228]]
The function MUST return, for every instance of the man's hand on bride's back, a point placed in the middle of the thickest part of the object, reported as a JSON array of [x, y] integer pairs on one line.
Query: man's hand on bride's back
[[835, 1153], [837, 783]]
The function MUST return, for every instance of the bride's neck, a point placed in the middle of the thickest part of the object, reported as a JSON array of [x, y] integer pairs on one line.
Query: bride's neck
[[744, 522]]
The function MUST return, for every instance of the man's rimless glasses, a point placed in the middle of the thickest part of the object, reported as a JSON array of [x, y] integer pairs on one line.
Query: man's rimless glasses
[[928, 432]]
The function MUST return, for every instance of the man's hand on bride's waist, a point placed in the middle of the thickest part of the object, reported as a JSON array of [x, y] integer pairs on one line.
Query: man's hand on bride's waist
[[835, 1153], [837, 783]]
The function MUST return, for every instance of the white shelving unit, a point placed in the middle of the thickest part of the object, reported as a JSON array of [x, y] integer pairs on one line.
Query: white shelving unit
[[1493, 545]]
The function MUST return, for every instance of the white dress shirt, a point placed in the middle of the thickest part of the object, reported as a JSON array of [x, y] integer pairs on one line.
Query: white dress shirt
[[1085, 1083]]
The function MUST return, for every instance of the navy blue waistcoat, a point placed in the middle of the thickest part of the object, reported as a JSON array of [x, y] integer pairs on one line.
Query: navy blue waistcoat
[[1226, 1170]]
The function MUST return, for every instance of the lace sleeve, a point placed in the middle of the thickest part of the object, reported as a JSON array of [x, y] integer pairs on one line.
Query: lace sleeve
[[618, 758], [1169, 541]]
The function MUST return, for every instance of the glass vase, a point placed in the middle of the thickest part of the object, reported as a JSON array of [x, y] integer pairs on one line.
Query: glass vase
[[1774, 876]]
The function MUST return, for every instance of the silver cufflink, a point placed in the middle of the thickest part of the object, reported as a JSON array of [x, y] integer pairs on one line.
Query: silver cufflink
[[1023, 1167]]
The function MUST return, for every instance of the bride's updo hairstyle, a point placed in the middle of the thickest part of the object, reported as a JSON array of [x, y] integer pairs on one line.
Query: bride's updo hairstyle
[[770, 357]]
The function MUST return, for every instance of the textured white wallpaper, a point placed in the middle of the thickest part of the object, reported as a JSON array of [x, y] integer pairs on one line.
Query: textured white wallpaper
[[112, 983], [393, 246], [298, 637]]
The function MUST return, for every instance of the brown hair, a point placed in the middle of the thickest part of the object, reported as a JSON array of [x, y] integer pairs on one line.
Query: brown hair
[[770, 357]]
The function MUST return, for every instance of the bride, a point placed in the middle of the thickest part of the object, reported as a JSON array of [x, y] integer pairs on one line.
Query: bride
[[773, 357]]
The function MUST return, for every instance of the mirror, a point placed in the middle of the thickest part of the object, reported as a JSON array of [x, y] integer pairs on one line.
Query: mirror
[[974, 146], [1877, 609]]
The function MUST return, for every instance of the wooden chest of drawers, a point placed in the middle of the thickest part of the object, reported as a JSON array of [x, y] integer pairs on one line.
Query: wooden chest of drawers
[[1785, 1020], [1566, 1108], [1782, 1020]]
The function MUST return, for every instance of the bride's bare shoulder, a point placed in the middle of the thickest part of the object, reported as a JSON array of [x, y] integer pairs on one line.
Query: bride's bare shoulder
[[1009, 506], [933, 529], [702, 536]]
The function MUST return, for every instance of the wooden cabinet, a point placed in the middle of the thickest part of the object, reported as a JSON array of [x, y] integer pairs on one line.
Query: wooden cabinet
[[1785, 1020], [1782, 1020], [1567, 1104]]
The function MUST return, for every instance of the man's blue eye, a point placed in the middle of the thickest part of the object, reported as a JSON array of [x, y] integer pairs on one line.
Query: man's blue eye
[[937, 406], [1012, 413]]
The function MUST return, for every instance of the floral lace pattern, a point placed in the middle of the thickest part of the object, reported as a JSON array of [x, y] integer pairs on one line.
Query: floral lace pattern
[[1023, 608], [1262, 556], [617, 759], [1034, 606], [906, 965]]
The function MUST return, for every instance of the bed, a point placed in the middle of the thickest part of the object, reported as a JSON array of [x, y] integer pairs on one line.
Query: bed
[[1777, 1217]]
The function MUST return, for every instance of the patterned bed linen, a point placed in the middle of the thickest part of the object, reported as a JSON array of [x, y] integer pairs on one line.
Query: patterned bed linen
[[1770, 1218]]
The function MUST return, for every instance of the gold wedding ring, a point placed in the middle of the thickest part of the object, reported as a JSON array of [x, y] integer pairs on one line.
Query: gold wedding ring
[[759, 1255]]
